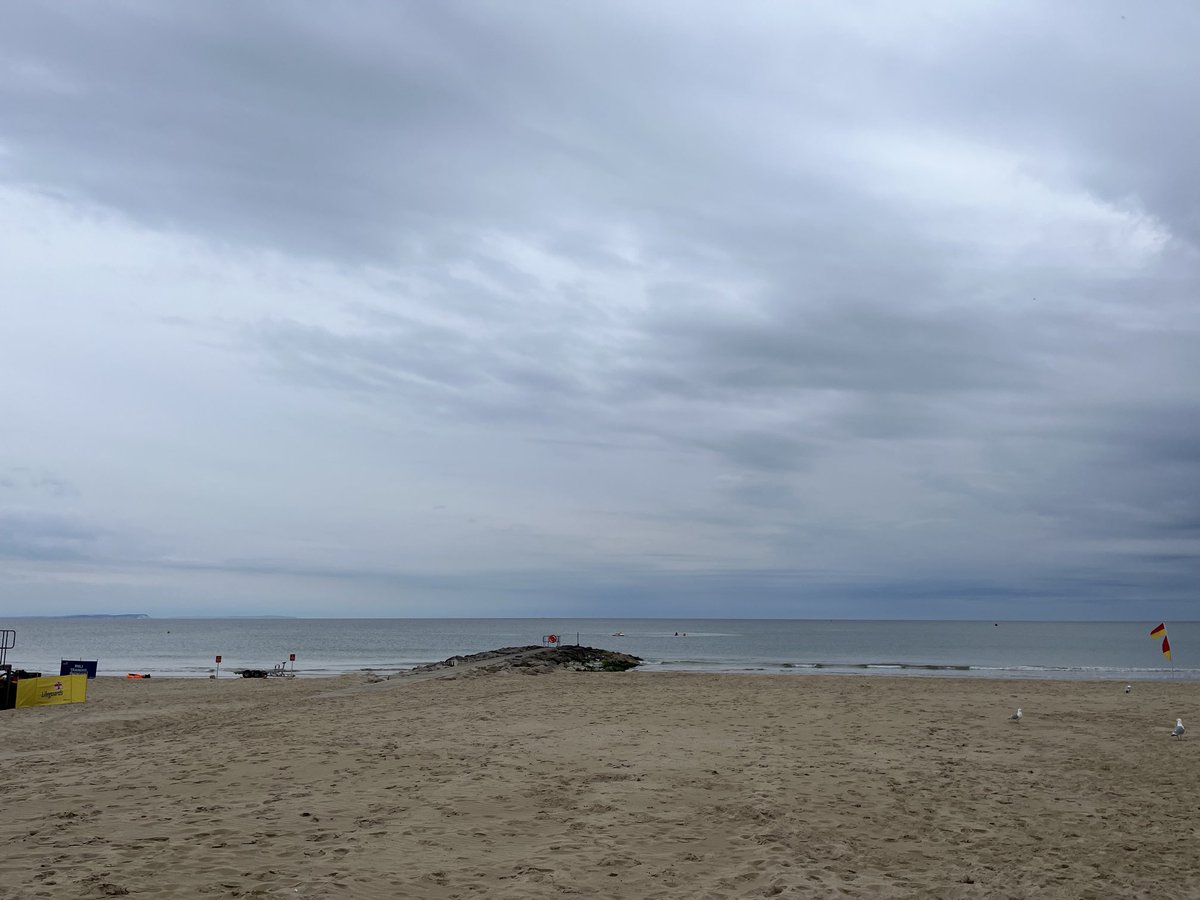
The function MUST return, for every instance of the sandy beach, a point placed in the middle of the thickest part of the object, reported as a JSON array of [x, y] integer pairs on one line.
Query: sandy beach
[[635, 784]]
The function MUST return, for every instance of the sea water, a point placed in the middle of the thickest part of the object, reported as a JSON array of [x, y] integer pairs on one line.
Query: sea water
[[188, 647]]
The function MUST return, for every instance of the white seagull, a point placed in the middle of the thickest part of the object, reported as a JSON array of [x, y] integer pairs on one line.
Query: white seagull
[[1128, 688], [1016, 717], [1178, 732]]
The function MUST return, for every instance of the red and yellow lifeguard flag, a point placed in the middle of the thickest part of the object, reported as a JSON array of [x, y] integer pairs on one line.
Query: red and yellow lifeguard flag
[[1161, 631]]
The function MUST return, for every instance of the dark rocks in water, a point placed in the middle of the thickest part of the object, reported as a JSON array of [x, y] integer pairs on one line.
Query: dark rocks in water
[[588, 659], [536, 659]]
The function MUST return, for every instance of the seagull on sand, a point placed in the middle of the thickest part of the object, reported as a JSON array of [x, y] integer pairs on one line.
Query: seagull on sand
[[1016, 717], [1178, 732], [1128, 688]]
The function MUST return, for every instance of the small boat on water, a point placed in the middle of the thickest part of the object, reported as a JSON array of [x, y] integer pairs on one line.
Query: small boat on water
[[618, 634]]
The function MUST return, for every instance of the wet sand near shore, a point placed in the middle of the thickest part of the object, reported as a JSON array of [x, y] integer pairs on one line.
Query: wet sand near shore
[[515, 784]]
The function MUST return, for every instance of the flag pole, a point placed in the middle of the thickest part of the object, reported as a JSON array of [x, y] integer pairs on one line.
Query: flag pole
[[1161, 630]]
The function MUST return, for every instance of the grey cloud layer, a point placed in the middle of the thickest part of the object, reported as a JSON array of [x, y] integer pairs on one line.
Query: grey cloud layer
[[866, 284]]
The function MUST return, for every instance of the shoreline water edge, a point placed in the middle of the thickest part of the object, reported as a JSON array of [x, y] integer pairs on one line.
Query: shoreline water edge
[[324, 647]]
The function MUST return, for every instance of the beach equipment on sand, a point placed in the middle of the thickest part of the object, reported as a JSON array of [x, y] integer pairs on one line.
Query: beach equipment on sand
[[1178, 732], [277, 672], [8, 687], [281, 670], [1128, 688], [8, 640], [50, 690], [1016, 717]]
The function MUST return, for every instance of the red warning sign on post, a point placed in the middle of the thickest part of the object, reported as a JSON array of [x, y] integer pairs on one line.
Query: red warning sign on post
[[218, 660], [291, 657]]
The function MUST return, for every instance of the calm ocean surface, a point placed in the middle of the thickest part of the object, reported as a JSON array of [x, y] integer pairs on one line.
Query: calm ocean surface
[[1075, 650]]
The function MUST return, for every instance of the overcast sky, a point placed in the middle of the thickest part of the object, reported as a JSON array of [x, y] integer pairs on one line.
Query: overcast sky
[[622, 308]]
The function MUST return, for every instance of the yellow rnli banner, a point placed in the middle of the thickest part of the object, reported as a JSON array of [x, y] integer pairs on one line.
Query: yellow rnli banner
[[51, 690]]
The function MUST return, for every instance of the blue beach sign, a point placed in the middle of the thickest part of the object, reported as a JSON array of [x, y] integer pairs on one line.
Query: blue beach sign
[[78, 667]]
